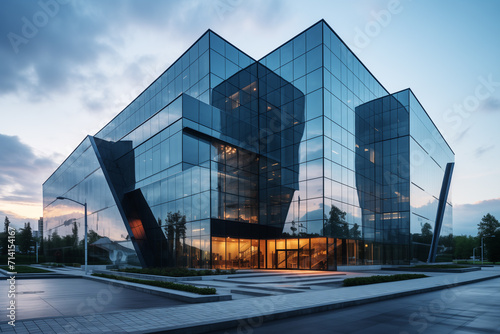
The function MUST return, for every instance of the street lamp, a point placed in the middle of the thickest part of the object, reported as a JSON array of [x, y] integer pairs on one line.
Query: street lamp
[[85, 241], [482, 247], [474, 254]]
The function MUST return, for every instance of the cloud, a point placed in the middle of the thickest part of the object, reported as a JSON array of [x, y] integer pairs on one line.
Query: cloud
[[491, 104], [42, 53], [467, 216], [48, 44], [483, 149], [21, 172], [461, 134], [17, 221]]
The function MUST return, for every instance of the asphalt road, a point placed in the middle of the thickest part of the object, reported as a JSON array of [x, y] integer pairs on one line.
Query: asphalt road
[[472, 308], [41, 298]]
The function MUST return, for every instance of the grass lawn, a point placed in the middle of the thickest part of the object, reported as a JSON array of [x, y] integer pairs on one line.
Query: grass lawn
[[475, 262], [166, 285], [440, 266], [26, 269], [380, 279]]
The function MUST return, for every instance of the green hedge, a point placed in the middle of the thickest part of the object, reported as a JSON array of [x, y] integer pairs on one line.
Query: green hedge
[[25, 269], [166, 285], [477, 262], [440, 266], [177, 272], [380, 279]]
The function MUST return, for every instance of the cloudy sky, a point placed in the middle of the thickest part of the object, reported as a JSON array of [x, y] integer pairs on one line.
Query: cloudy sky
[[68, 66]]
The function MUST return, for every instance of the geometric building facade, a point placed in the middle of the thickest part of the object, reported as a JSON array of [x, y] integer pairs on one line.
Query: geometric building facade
[[299, 160]]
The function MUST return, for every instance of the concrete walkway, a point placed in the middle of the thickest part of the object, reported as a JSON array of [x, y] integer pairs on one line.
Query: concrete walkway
[[244, 313]]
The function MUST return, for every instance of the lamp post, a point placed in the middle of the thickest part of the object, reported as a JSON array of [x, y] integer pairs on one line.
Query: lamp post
[[482, 247], [85, 238]]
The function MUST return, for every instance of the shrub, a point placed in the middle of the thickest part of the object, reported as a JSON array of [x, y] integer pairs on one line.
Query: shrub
[[166, 285], [177, 272], [380, 279], [440, 266]]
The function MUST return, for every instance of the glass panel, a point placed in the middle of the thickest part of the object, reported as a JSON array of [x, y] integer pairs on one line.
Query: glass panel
[[281, 259], [292, 259], [262, 253], [232, 253], [271, 254], [304, 257], [219, 253], [318, 253], [254, 254], [332, 260], [245, 255], [292, 243]]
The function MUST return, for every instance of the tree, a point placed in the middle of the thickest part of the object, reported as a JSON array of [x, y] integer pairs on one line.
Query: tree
[[487, 226], [488, 229], [25, 239], [463, 246], [494, 250], [5, 236]]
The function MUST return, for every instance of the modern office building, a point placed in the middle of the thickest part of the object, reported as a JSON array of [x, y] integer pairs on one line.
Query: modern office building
[[299, 160]]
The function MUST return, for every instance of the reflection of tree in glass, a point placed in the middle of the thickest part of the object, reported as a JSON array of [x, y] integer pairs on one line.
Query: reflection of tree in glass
[[336, 225], [176, 230], [74, 231], [425, 236], [354, 232], [293, 228], [93, 236]]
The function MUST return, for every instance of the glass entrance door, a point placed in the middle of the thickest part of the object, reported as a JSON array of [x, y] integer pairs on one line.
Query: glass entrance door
[[281, 254]]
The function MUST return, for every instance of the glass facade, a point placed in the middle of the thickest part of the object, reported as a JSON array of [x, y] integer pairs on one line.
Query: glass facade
[[300, 160]]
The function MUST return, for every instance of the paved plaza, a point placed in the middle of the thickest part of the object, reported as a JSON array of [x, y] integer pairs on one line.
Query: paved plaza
[[132, 311], [472, 308]]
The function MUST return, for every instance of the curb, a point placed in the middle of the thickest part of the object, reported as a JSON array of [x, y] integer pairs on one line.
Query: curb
[[435, 270], [230, 324], [51, 274]]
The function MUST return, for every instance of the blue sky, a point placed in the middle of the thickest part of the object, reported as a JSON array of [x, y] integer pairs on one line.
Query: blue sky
[[67, 67]]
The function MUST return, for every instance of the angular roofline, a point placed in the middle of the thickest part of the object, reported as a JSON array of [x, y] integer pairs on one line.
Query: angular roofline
[[416, 98], [208, 31], [341, 40], [62, 163]]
